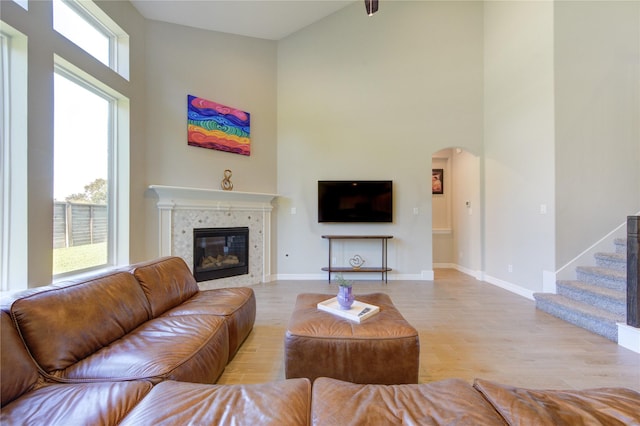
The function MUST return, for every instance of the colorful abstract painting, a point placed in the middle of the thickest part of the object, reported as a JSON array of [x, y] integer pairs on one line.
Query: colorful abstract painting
[[215, 126]]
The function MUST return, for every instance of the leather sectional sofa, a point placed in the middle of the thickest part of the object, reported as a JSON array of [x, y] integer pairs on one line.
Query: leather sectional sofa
[[144, 346], [148, 322]]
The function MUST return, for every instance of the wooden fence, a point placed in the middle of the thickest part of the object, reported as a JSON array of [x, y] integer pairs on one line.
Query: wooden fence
[[76, 224]]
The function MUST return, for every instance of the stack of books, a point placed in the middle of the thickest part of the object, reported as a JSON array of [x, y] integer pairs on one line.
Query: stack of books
[[358, 312]]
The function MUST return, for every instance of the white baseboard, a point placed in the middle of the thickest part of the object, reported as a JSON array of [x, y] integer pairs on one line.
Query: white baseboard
[[373, 276], [427, 275], [509, 287], [475, 274], [422, 276], [269, 278], [302, 277], [629, 337]]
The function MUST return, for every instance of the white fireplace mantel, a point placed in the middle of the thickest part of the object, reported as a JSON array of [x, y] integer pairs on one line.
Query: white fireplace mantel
[[196, 198], [173, 199]]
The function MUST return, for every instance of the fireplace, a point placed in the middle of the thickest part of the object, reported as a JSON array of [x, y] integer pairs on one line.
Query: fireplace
[[220, 252], [181, 209]]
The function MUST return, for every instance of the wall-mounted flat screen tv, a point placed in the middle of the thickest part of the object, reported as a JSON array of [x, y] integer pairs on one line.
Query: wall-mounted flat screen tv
[[355, 201]]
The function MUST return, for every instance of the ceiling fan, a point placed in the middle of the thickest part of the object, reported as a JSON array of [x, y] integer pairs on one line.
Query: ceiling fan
[[371, 6]]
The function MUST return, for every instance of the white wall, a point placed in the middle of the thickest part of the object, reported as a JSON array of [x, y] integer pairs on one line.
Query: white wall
[[236, 71], [373, 98], [597, 73], [518, 143], [467, 212]]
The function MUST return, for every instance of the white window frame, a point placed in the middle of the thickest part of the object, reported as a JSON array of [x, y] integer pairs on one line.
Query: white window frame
[[22, 3], [5, 154], [13, 159], [119, 171], [118, 175], [118, 38]]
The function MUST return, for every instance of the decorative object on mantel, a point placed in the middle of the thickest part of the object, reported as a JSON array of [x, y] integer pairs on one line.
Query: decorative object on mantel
[[215, 126], [345, 294], [226, 184], [356, 262]]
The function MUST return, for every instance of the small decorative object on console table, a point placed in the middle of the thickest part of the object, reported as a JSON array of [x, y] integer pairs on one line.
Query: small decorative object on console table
[[358, 312], [345, 293], [226, 183], [356, 261]]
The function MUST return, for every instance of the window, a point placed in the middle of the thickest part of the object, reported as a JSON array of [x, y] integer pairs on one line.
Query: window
[[22, 3], [71, 20], [91, 146], [13, 158], [87, 26], [83, 160], [25, 178], [4, 155]]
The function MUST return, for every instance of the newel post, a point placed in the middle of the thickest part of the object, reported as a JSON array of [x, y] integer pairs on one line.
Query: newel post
[[633, 271]]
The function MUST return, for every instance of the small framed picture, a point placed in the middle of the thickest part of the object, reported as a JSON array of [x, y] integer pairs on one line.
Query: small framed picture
[[437, 181]]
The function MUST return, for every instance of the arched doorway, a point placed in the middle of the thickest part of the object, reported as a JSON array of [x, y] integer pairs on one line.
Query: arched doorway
[[456, 211]]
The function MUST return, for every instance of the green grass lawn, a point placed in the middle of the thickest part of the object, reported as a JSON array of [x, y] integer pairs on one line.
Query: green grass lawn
[[79, 257]]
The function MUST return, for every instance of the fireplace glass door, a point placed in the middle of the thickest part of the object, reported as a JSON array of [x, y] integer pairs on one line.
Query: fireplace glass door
[[220, 252]]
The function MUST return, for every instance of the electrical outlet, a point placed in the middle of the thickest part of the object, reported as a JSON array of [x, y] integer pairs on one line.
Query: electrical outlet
[[510, 268]]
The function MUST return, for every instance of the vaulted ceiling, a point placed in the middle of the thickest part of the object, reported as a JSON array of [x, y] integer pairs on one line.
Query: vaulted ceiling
[[266, 19]]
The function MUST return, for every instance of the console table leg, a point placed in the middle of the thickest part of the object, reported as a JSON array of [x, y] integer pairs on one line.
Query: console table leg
[[384, 259], [329, 268]]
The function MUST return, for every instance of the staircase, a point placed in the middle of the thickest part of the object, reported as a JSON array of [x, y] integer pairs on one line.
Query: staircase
[[597, 299]]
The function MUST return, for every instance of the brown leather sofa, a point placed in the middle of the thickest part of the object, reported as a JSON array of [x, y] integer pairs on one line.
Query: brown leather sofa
[[147, 322], [456, 402], [30, 399], [112, 350]]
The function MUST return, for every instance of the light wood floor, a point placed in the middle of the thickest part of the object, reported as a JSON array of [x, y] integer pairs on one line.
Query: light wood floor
[[467, 328]]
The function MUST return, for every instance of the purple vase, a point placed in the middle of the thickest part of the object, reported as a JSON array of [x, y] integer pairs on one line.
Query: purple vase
[[345, 297]]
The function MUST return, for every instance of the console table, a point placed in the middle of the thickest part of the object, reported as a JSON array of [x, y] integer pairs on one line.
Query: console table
[[383, 269]]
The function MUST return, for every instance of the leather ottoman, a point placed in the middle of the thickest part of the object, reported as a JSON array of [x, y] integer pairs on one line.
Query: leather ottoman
[[384, 349]]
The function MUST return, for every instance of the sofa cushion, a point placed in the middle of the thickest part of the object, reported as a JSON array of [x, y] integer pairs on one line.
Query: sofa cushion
[[176, 403], [447, 402], [603, 406], [167, 282], [63, 324], [192, 348], [236, 304], [17, 370], [75, 404]]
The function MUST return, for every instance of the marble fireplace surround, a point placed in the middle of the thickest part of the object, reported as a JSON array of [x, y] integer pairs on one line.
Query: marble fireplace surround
[[181, 209]]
